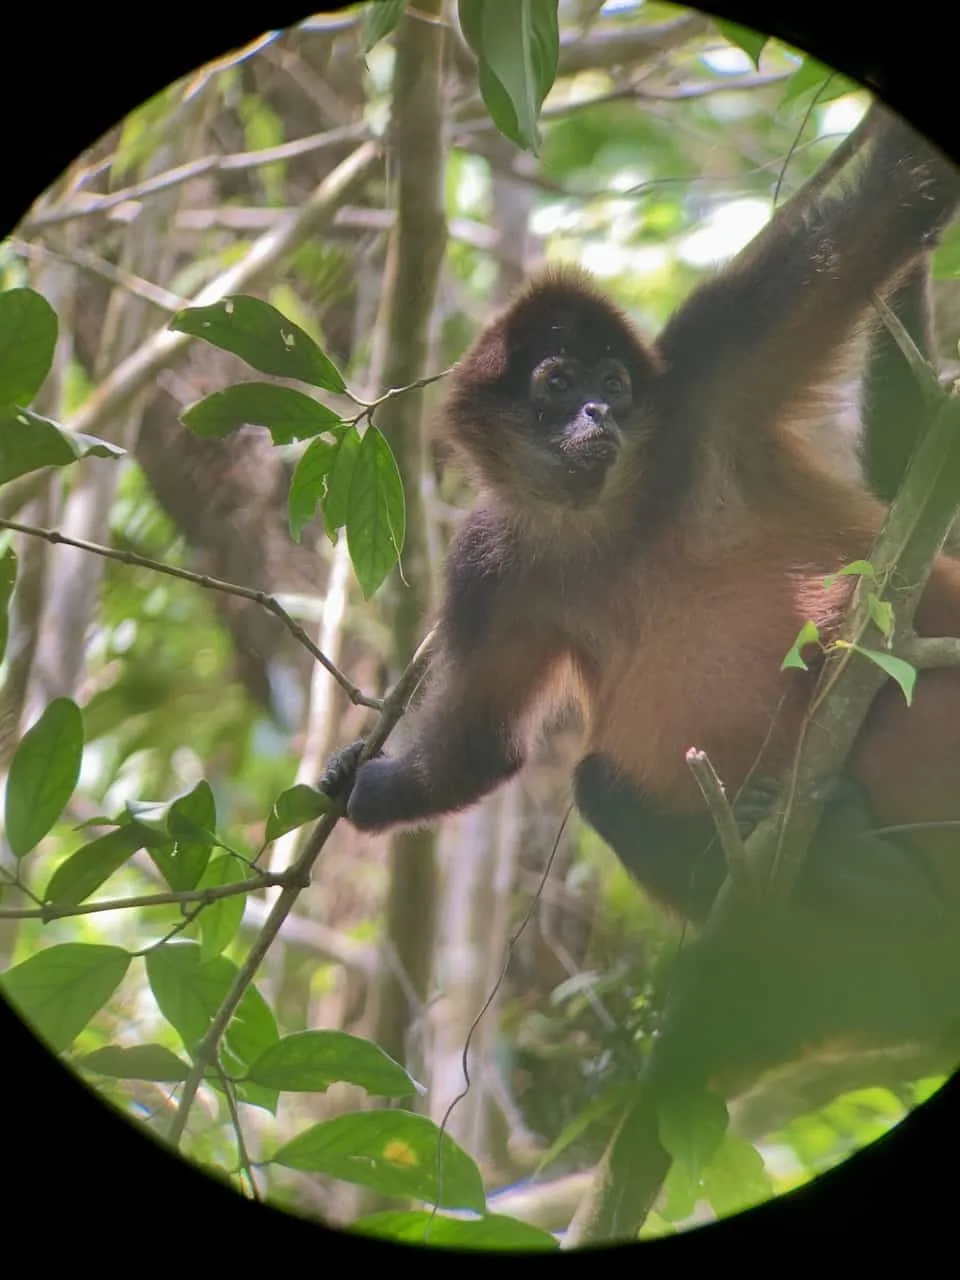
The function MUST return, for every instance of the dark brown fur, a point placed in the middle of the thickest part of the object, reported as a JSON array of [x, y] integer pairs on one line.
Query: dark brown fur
[[666, 606]]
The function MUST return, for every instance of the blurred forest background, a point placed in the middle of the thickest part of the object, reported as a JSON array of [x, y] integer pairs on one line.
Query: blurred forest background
[[664, 149]]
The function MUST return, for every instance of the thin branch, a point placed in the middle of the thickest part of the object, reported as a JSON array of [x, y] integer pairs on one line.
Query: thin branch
[[296, 879], [265, 880], [925, 652], [731, 841], [141, 368], [265, 600], [86, 205], [243, 1156], [104, 270]]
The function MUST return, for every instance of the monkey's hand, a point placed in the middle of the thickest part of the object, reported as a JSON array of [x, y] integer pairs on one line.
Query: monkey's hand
[[341, 772], [754, 802]]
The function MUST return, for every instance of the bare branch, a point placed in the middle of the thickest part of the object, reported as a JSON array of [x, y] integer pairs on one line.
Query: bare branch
[[134, 373], [105, 270], [297, 879], [726, 824], [266, 601]]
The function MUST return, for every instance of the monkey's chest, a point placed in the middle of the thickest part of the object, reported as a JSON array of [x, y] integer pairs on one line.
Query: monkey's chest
[[696, 662]]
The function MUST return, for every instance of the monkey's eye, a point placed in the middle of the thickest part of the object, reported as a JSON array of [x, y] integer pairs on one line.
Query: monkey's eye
[[558, 382], [612, 384]]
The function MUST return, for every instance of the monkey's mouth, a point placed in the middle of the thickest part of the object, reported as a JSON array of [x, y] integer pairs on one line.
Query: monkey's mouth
[[585, 471]]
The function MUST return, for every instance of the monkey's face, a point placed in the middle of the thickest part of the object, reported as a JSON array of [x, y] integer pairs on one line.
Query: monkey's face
[[578, 412]]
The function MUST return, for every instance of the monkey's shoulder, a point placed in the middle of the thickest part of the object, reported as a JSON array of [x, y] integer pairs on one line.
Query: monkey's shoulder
[[483, 576]]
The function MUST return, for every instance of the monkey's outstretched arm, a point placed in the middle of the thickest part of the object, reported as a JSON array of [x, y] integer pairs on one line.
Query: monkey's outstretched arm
[[770, 327], [467, 736], [494, 661]]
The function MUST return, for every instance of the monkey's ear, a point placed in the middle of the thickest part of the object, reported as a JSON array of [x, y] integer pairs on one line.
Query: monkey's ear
[[487, 362]]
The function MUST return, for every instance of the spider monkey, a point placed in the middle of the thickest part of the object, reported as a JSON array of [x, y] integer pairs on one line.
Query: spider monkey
[[650, 536]]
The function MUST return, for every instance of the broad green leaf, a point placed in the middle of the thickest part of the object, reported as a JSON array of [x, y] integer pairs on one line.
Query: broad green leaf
[[376, 513], [43, 774], [57, 991], [681, 1191], [809, 634], [308, 485], [691, 1124], [382, 17], [904, 674], [29, 442], [310, 1061], [813, 76], [189, 992], [139, 1062], [421, 1226], [751, 42], [336, 505], [857, 568], [517, 46], [180, 862], [28, 340], [392, 1152], [220, 921], [295, 807], [8, 580], [262, 336], [87, 868], [736, 1178], [290, 415], [190, 817]]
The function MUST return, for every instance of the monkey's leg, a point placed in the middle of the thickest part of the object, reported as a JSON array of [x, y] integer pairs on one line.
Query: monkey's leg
[[848, 869]]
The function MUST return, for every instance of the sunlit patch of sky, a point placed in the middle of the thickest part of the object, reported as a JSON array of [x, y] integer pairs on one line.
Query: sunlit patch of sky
[[725, 231]]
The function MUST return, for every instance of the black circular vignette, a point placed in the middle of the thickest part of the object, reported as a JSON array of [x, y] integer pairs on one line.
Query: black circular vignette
[[71, 1162]]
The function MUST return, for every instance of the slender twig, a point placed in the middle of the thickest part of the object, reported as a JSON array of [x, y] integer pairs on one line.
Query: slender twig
[[731, 841], [243, 1156], [262, 598], [267, 880], [297, 878], [370, 407], [104, 270], [86, 204]]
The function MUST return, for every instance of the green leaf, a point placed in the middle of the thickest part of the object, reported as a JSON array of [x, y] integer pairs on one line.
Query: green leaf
[[180, 863], [809, 634], [856, 568], [881, 611], [8, 580], [517, 46], [28, 340], [189, 992], [43, 774], [423, 1226], [392, 1152], [691, 1125], [751, 42], [376, 513], [946, 256], [310, 1061], [812, 76], [294, 807], [736, 1178], [190, 817], [336, 505], [89, 866], [57, 991], [262, 336], [308, 485], [382, 17], [220, 921], [904, 674], [140, 1062], [29, 442], [290, 415], [681, 1191]]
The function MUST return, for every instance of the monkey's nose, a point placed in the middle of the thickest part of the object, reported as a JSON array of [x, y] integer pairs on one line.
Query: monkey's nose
[[597, 412]]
